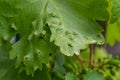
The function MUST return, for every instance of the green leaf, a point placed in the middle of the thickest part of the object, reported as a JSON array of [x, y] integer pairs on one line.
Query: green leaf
[[59, 62], [73, 25], [115, 13], [32, 53], [6, 66], [113, 32], [71, 28], [29, 20], [5, 32], [26, 18], [114, 25], [70, 76], [10, 73], [93, 75]]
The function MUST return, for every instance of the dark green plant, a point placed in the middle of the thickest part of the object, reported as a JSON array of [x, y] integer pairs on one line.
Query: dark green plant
[[53, 39]]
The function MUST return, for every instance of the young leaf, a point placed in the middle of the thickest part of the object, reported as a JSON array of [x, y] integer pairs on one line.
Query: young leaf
[[113, 32]]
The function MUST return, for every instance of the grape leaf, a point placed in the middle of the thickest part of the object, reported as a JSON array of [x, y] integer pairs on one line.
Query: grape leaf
[[73, 25], [26, 18], [93, 75], [32, 53], [10, 73], [21, 16], [72, 28], [58, 66], [5, 65], [113, 32], [115, 13], [114, 25]]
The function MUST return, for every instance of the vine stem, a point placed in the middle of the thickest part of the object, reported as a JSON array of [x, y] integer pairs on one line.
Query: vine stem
[[80, 60], [91, 56]]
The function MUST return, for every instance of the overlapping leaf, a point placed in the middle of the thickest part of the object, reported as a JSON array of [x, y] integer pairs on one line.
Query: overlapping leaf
[[8, 71], [73, 24], [113, 28], [31, 53], [26, 18], [72, 28]]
